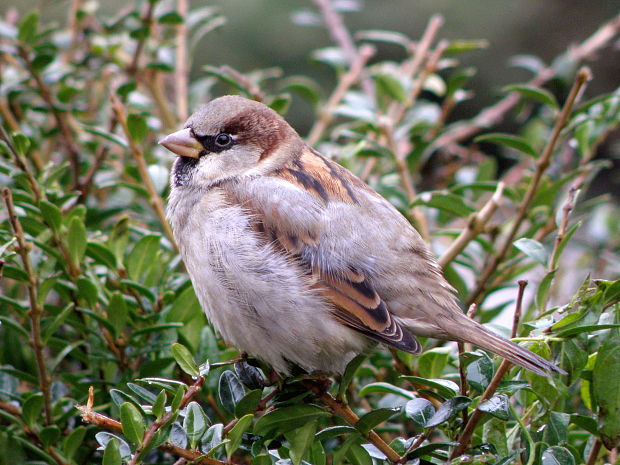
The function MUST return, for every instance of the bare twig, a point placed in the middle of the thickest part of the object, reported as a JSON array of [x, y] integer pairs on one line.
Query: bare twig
[[470, 426], [61, 118], [594, 451], [157, 424], [74, 28], [36, 310], [601, 38], [91, 417], [136, 152], [181, 71], [583, 76], [341, 36], [475, 225], [344, 83], [147, 21], [22, 165], [344, 411]]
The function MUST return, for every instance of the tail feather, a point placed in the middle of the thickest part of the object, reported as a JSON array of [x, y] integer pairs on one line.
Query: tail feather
[[480, 336]]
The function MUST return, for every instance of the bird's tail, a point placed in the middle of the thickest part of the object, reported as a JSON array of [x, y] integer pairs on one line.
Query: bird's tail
[[484, 338]]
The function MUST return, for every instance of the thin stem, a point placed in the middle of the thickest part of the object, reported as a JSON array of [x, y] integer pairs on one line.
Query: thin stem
[[344, 411], [475, 225], [91, 417], [149, 435], [344, 84], [61, 118], [583, 76], [477, 414], [181, 71], [147, 20], [36, 309], [22, 165], [593, 455], [341, 36], [138, 156]]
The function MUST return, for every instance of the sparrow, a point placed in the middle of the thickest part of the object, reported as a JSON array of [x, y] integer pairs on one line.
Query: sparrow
[[297, 261]]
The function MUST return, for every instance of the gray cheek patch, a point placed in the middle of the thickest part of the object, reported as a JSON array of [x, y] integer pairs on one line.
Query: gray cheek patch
[[183, 170]]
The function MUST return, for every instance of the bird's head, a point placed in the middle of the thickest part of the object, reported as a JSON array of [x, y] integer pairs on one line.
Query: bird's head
[[230, 136]]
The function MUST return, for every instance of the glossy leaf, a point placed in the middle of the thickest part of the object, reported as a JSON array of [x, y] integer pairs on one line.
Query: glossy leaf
[[112, 454], [231, 390], [185, 360], [509, 140], [448, 409], [286, 418], [195, 423], [236, 433], [533, 249], [76, 239], [300, 440], [371, 419], [132, 422], [498, 406], [557, 456], [348, 375], [212, 438], [420, 411]]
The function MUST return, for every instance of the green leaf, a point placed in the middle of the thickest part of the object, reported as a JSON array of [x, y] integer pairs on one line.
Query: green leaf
[[509, 140], [300, 440], [76, 239], [178, 397], [172, 17], [385, 388], [348, 375], [117, 312], [101, 254], [448, 409], [235, 435], [429, 448], [587, 423], [556, 432], [391, 86], [138, 129], [27, 30], [575, 330], [159, 405], [533, 249], [334, 431], [212, 438], [57, 321], [444, 387], [450, 203], [248, 403], [230, 390], [31, 410], [498, 406], [112, 453], [185, 359], [132, 422], [420, 411], [142, 393], [432, 362], [195, 423], [357, 455], [606, 389], [280, 103], [142, 256], [543, 289], [250, 376], [534, 93], [557, 456], [49, 435], [72, 442], [286, 418], [480, 372], [51, 214], [374, 418]]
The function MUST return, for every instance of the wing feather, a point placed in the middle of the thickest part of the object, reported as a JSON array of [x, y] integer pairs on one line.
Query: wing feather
[[293, 221]]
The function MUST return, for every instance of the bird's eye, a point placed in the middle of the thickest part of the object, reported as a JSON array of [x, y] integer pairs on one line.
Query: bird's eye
[[223, 140]]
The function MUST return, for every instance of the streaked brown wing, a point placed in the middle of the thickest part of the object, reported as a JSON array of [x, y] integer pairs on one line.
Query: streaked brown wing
[[356, 303]]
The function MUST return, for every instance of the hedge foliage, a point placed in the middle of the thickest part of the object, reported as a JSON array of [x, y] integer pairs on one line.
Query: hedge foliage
[[94, 296]]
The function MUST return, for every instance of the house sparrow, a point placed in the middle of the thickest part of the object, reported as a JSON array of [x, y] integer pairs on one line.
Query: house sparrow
[[297, 261]]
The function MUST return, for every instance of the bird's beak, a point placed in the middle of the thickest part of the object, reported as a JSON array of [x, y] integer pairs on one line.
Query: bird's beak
[[182, 143]]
